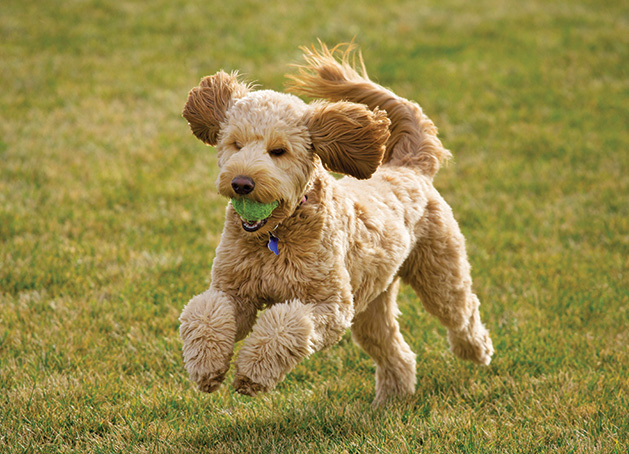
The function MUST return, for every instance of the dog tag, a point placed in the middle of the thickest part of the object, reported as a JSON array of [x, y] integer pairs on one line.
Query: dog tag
[[273, 244]]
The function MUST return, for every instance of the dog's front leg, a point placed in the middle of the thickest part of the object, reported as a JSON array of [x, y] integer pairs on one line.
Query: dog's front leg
[[210, 325], [284, 335]]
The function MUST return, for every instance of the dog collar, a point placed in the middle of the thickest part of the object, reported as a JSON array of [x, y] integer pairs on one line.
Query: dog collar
[[274, 242]]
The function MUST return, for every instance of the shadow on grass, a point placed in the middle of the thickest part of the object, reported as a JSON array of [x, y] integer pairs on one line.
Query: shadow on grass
[[311, 427], [339, 418]]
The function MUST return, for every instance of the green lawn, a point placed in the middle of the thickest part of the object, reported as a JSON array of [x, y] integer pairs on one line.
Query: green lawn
[[109, 219]]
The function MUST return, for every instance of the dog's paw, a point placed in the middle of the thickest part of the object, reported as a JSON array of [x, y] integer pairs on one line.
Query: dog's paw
[[485, 351], [477, 347], [207, 371], [244, 385], [209, 383]]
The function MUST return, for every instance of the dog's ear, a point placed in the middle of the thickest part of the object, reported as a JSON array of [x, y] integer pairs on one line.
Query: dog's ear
[[348, 137], [208, 103]]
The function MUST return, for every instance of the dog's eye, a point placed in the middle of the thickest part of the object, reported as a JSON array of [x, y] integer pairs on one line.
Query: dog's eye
[[237, 145], [277, 151]]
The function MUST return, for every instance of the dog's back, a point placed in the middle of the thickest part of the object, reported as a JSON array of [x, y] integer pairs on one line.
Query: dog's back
[[413, 142], [437, 267]]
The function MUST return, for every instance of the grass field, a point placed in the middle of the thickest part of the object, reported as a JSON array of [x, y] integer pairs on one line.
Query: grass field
[[109, 218]]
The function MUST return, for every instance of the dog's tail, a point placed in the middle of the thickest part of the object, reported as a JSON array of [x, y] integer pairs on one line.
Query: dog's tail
[[413, 141]]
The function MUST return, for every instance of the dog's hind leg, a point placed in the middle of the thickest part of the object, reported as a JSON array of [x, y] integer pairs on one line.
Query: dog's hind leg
[[439, 272], [377, 331], [210, 325]]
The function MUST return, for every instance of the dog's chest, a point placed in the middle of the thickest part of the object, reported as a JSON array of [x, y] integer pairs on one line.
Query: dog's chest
[[262, 278]]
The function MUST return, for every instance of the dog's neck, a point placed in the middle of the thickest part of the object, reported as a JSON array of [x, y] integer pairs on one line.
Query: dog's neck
[[274, 240], [301, 227], [305, 219], [310, 195]]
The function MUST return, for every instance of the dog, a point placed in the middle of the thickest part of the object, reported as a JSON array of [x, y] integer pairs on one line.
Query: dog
[[331, 254]]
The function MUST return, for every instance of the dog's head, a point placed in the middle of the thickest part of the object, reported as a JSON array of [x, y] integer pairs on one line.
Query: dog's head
[[269, 143]]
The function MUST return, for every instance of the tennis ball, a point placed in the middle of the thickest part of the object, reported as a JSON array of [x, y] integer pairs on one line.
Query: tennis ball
[[252, 211]]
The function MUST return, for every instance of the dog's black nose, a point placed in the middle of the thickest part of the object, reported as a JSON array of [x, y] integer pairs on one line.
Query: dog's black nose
[[242, 185]]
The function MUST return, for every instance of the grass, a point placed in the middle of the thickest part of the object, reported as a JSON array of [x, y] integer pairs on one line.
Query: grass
[[109, 219]]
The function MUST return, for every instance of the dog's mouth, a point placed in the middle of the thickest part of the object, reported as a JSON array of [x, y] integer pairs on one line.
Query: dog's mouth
[[253, 214], [253, 226]]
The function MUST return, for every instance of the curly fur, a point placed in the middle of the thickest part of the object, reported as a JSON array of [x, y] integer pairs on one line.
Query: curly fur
[[414, 140], [343, 252]]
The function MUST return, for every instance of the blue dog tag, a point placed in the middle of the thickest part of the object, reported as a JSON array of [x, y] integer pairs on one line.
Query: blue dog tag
[[273, 244]]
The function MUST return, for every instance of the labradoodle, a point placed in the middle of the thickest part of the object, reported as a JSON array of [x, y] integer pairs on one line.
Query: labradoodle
[[323, 254]]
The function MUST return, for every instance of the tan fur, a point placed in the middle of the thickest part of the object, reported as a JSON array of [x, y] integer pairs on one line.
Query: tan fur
[[413, 139], [348, 137], [208, 103], [343, 252]]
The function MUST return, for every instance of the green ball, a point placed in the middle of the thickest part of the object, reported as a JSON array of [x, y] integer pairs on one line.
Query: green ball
[[252, 211]]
